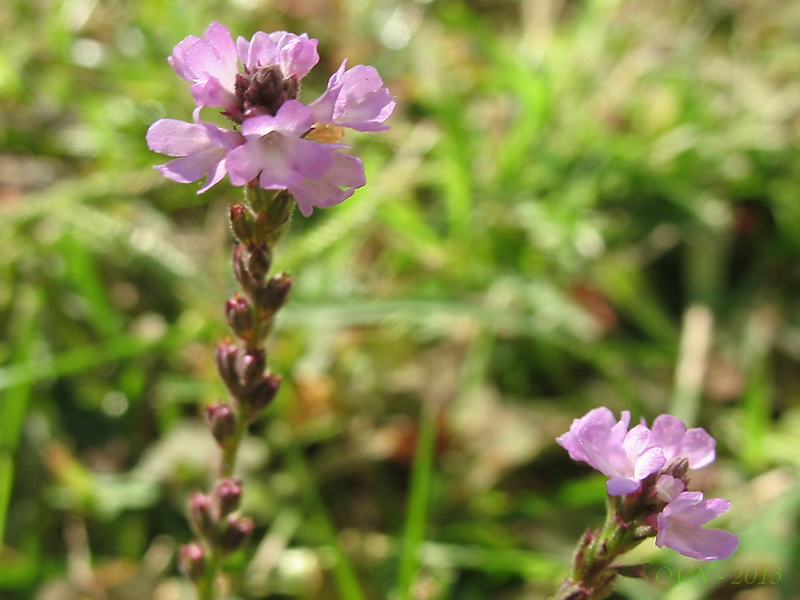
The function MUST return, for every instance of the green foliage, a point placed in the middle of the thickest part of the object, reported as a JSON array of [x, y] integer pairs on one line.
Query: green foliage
[[578, 204]]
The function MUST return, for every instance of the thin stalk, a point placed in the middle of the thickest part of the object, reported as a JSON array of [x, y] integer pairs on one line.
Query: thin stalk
[[421, 478]]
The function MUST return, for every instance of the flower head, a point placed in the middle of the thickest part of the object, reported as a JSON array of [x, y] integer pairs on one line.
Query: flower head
[[277, 142], [271, 66], [626, 457], [680, 527]]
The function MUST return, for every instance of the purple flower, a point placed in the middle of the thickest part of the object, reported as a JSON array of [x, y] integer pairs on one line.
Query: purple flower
[[277, 142], [355, 98], [211, 64], [696, 445], [202, 149], [680, 527], [276, 156], [626, 457]]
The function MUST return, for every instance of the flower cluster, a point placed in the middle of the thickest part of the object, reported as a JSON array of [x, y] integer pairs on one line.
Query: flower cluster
[[648, 466], [276, 142]]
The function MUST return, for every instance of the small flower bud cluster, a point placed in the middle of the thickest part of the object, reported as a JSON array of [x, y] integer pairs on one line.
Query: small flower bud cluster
[[647, 486], [219, 530]]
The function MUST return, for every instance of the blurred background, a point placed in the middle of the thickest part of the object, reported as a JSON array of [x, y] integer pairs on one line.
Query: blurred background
[[579, 203]]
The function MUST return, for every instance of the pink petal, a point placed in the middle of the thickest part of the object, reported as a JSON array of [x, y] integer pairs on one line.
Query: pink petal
[[175, 138]]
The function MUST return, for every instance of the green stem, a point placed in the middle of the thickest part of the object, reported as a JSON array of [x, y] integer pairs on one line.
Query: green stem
[[593, 572], [227, 462], [421, 477]]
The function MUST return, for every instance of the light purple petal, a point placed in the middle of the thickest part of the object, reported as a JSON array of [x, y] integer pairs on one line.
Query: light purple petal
[[175, 138], [210, 64], [296, 55], [335, 186], [260, 51], [699, 447], [668, 432], [680, 528], [620, 486], [667, 488], [696, 445], [279, 161], [570, 442], [293, 119], [201, 148], [355, 98], [647, 463]]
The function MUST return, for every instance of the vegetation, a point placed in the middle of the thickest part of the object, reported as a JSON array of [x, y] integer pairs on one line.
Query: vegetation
[[580, 203]]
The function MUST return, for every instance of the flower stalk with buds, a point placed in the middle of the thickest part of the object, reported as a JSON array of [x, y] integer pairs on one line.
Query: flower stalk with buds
[[281, 152], [647, 497]]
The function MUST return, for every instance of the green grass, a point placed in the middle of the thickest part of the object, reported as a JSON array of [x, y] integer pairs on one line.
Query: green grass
[[578, 204]]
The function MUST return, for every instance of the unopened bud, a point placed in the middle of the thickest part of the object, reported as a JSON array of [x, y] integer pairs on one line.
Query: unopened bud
[[251, 367], [262, 395], [229, 495], [275, 294], [235, 534], [259, 261], [201, 516], [239, 315], [193, 561], [677, 467], [221, 421], [226, 356], [241, 223]]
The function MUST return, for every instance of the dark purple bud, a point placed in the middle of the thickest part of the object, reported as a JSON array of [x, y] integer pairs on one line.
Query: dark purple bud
[[201, 516], [677, 467], [266, 90], [275, 294], [262, 395], [235, 534], [251, 367], [241, 223], [239, 315], [227, 356], [221, 421], [259, 261], [241, 271], [193, 561], [229, 495]]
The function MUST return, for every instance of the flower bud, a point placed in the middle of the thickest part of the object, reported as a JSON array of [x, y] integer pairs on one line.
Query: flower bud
[[251, 367], [221, 421], [259, 261], [193, 561], [241, 223], [262, 395], [235, 534], [239, 259], [228, 494], [275, 294], [226, 357], [239, 315], [266, 89], [201, 516]]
